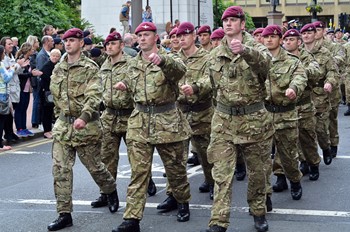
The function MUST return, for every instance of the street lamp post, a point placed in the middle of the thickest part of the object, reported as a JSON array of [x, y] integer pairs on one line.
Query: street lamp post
[[314, 13]]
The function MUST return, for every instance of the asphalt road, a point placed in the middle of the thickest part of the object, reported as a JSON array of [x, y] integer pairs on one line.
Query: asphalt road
[[27, 201]]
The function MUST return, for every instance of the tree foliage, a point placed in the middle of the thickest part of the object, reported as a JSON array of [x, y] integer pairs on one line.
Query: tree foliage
[[221, 7], [21, 18]]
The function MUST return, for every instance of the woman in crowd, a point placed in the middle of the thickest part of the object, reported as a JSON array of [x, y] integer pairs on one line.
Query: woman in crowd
[[5, 77], [13, 86], [24, 52], [46, 105]]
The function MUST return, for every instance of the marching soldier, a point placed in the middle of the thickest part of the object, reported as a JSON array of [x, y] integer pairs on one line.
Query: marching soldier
[[156, 122], [76, 88]]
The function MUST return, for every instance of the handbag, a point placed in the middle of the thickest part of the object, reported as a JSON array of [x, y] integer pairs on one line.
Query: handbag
[[48, 97]]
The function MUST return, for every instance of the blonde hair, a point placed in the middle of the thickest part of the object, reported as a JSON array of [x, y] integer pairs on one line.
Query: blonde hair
[[56, 51], [32, 39], [25, 48]]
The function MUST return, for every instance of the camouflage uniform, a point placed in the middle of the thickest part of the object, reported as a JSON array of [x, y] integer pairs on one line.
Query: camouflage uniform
[[347, 72], [77, 92], [306, 117], [286, 72], [198, 108], [239, 121], [119, 105], [328, 74], [157, 123], [339, 54]]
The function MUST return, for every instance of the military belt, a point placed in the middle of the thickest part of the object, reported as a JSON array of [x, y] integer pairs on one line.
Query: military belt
[[71, 119], [280, 109], [243, 110], [154, 109], [304, 101], [119, 112], [195, 107]]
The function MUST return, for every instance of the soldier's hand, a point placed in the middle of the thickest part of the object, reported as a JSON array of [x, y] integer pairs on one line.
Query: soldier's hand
[[236, 46], [328, 87], [187, 90], [155, 59], [290, 93], [120, 86], [79, 124]]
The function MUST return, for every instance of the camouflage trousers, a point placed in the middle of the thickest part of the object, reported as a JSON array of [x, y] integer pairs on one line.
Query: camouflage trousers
[[268, 171], [307, 145], [333, 126], [322, 129], [200, 145], [140, 158], [223, 154], [347, 88], [286, 141], [63, 157]]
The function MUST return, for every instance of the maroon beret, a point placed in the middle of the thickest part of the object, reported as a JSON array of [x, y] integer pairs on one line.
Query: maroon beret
[[272, 30], [113, 36], [218, 34], [172, 32], [204, 29], [146, 26], [258, 30], [73, 33], [308, 27], [233, 11], [319, 24], [291, 32], [185, 28]]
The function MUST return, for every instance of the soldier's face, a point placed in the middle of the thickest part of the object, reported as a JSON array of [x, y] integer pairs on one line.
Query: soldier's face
[[319, 33], [114, 48], [187, 40], [204, 38], [175, 41], [291, 43], [73, 45], [339, 35], [233, 26], [147, 40], [258, 38], [330, 36], [272, 42], [215, 42], [308, 37]]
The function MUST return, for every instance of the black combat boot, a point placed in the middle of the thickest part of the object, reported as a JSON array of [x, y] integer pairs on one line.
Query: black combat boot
[[260, 223], [113, 201], [314, 173], [183, 213], [281, 184], [347, 113], [64, 220], [240, 172], [215, 228], [268, 204], [204, 188], [211, 192], [128, 225], [296, 190], [152, 189], [304, 168], [193, 159], [334, 151], [327, 156], [100, 202], [168, 204]]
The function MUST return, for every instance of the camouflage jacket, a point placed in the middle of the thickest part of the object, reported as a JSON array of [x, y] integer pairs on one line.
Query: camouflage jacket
[[286, 72], [153, 85], [312, 68], [328, 74], [238, 81], [339, 54], [196, 70], [77, 92], [112, 98]]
